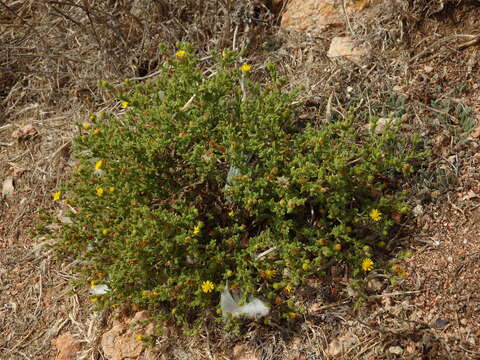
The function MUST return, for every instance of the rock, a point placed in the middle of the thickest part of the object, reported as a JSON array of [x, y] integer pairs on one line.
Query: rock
[[67, 347], [316, 16], [343, 46], [119, 344], [312, 15], [127, 346], [108, 341], [139, 317], [150, 329], [123, 340]]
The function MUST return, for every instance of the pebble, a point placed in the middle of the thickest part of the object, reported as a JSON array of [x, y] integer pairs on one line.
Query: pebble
[[397, 350], [418, 210]]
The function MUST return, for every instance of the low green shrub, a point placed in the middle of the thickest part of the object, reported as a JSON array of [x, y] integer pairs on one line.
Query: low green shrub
[[209, 178]]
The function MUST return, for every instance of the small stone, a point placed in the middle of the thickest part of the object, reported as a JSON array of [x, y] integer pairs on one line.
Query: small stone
[[375, 285], [440, 323], [8, 187], [351, 292], [464, 322], [428, 69], [396, 350], [418, 210], [382, 124]]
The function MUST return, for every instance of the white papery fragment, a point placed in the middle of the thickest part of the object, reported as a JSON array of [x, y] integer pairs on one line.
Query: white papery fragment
[[253, 309], [99, 289]]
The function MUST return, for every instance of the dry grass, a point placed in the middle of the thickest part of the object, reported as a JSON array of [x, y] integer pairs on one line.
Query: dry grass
[[52, 55]]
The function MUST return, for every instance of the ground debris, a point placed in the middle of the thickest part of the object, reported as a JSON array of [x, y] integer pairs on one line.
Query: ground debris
[[25, 133], [67, 346]]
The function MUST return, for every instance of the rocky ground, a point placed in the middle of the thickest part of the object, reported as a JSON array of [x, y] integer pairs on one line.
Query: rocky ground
[[51, 56]]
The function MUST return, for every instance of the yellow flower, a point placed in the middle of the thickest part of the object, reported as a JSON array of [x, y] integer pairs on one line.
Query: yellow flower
[[376, 215], [399, 270], [92, 284], [231, 213], [111, 188], [98, 164], [367, 264], [100, 191], [124, 104], [96, 131], [338, 247], [138, 337], [288, 289], [402, 273], [207, 286], [56, 196], [305, 266], [181, 54], [270, 274], [93, 299], [104, 231], [245, 68], [196, 230], [86, 126], [92, 117]]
